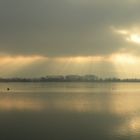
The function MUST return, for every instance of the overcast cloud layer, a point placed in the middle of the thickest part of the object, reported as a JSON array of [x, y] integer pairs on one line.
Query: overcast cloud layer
[[66, 27]]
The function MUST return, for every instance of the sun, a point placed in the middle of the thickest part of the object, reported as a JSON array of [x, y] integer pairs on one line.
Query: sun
[[134, 38], [130, 35]]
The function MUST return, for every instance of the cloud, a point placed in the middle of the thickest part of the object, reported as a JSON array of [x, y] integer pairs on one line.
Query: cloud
[[65, 27]]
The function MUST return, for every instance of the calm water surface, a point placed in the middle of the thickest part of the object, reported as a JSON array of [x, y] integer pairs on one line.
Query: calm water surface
[[70, 111]]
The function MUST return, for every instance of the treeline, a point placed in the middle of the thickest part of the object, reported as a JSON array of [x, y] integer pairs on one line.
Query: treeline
[[68, 78], [53, 78]]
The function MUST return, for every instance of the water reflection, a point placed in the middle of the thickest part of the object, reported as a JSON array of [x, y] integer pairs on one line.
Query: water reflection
[[20, 104], [129, 126], [93, 98], [78, 103], [71, 111]]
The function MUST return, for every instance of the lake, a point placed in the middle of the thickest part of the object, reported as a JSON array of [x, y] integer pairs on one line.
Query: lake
[[70, 111]]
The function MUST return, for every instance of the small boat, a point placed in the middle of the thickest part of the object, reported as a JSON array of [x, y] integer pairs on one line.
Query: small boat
[[8, 89]]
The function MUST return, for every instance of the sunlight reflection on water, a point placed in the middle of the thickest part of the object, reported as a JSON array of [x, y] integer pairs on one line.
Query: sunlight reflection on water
[[74, 110]]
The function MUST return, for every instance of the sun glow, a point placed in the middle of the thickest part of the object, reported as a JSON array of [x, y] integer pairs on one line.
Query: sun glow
[[118, 63], [11, 64], [126, 65], [131, 35], [22, 59], [134, 38], [123, 59], [80, 59]]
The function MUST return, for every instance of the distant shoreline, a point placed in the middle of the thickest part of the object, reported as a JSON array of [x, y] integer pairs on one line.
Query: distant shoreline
[[33, 81], [70, 78]]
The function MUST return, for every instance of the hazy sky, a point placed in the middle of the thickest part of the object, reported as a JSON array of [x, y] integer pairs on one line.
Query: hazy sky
[[41, 37]]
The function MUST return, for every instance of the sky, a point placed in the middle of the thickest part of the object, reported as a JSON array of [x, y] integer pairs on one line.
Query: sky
[[59, 37]]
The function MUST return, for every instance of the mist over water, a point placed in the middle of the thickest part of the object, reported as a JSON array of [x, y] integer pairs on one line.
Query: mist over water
[[70, 111]]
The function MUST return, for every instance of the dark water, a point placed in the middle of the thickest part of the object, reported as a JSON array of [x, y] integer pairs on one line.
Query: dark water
[[70, 111]]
